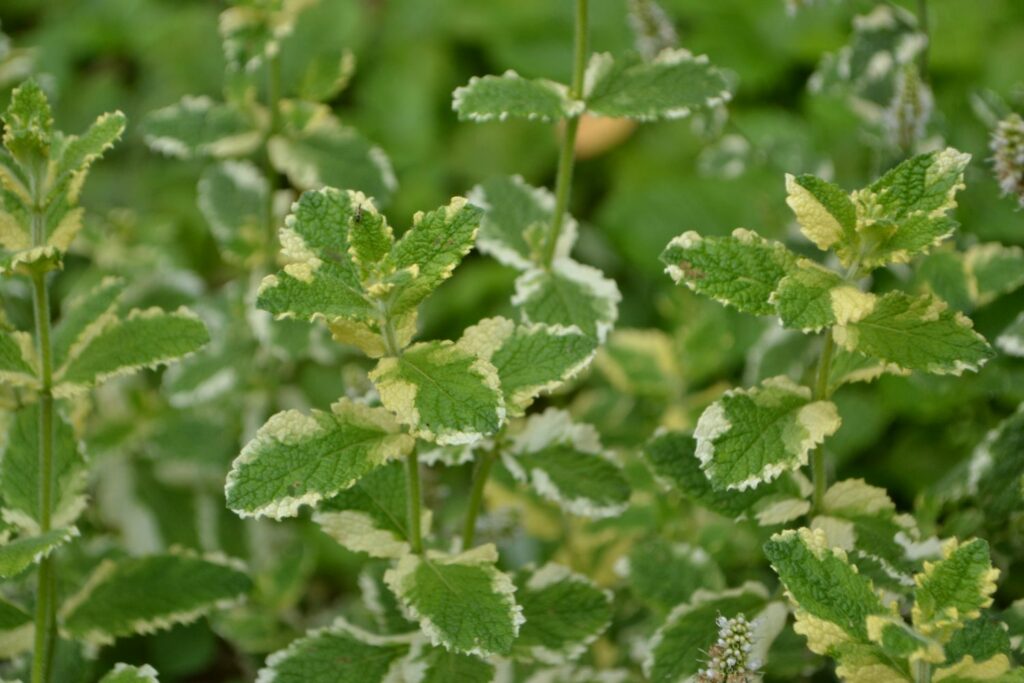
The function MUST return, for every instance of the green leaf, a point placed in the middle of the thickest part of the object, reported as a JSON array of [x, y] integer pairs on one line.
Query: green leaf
[[16, 630], [297, 459], [516, 217], [530, 359], [826, 214], [15, 349], [150, 593], [125, 673], [442, 392], [438, 665], [84, 317], [663, 574], [233, 200], [680, 646], [673, 457], [996, 669], [19, 474], [462, 602], [850, 366], [742, 270], [832, 600], [751, 436], [898, 641], [491, 98], [564, 611], [340, 653], [316, 150], [981, 639], [812, 297], [322, 280], [327, 75], [77, 153], [371, 517], [565, 463], [145, 339], [904, 212], [28, 124], [954, 589], [200, 127], [17, 556], [916, 333], [431, 249], [673, 85], [570, 293]]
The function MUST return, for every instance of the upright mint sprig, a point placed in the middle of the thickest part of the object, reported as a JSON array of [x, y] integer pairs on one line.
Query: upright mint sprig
[[43, 472], [750, 436]]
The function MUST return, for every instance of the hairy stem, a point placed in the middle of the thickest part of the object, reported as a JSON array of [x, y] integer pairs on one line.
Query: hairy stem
[[923, 672], [821, 393], [566, 156], [46, 599], [273, 74], [476, 496]]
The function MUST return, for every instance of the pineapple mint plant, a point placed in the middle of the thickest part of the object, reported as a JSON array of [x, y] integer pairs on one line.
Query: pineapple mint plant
[[44, 469]]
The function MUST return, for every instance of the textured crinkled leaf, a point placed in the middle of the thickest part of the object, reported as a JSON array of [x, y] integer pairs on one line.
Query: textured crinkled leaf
[[490, 98], [150, 593], [340, 653], [825, 213], [663, 574], [14, 367], [18, 555], [751, 436], [233, 200], [84, 317], [905, 211], [530, 359], [981, 639], [673, 456], [371, 516], [867, 663], [322, 280], [515, 215], [16, 630], [916, 333], [680, 645], [462, 602], [126, 673], [832, 600], [28, 123], [297, 459], [442, 392], [955, 589], [812, 297], [742, 270], [570, 293], [565, 463], [144, 339], [673, 85], [19, 473], [316, 150], [198, 127], [641, 362], [438, 665], [564, 613], [431, 249]]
